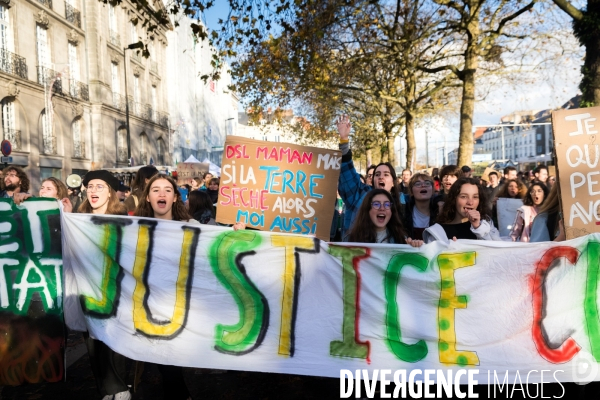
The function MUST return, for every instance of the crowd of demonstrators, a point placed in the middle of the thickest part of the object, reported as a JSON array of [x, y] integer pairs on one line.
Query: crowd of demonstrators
[[537, 194]]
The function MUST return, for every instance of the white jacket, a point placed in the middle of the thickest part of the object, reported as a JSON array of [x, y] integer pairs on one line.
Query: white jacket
[[486, 231]]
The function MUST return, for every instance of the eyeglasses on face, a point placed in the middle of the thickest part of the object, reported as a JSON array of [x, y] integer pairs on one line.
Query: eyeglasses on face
[[423, 184], [377, 205], [96, 188]]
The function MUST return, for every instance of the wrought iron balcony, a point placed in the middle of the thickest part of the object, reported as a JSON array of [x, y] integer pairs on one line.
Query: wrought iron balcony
[[137, 56], [79, 90], [78, 149], [147, 112], [13, 64], [14, 137], [137, 109], [154, 67], [143, 158], [72, 15], [119, 101], [46, 3], [49, 144], [115, 38], [48, 77], [122, 154]]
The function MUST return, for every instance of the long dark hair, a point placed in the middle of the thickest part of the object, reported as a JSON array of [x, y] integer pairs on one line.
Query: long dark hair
[[144, 208], [199, 201], [147, 172], [395, 191], [528, 200], [363, 229], [448, 212]]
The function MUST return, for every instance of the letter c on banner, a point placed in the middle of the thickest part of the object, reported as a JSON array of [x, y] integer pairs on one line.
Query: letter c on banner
[[567, 350]]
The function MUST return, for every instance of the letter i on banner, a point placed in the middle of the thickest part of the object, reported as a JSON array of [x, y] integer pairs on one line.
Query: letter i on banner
[[143, 320], [350, 345], [449, 301], [291, 285]]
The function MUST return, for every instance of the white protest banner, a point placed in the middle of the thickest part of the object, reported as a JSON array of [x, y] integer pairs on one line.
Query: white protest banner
[[577, 154], [507, 212], [203, 296], [278, 187]]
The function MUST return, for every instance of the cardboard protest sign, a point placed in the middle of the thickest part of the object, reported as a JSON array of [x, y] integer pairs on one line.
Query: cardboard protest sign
[[31, 315], [278, 187], [551, 170], [577, 154], [507, 212], [186, 172]]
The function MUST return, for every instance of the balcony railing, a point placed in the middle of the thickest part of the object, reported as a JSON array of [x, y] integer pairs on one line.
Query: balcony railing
[[79, 90], [115, 38], [78, 149], [119, 101], [14, 137], [13, 64], [46, 76], [137, 56], [122, 154], [154, 67], [72, 15], [162, 119], [147, 112], [46, 3], [49, 144], [137, 109]]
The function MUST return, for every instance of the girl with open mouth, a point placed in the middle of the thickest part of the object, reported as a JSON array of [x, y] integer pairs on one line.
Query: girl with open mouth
[[108, 366], [465, 215], [521, 231]]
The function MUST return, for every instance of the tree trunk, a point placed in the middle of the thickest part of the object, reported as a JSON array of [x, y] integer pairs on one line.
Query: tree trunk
[[467, 106], [390, 147], [589, 36], [369, 157], [411, 145]]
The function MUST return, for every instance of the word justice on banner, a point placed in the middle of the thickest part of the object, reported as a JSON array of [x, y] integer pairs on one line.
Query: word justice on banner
[[278, 187], [31, 313], [265, 301]]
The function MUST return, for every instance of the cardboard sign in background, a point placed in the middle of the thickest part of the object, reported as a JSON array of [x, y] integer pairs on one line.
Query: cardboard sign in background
[[278, 187], [186, 172], [577, 164]]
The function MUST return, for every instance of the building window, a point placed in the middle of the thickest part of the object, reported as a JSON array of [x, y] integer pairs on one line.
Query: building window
[[78, 143], [112, 18], [160, 150], [46, 173], [122, 145], [539, 149], [8, 124], [134, 35], [136, 88], [5, 31], [143, 151], [48, 138], [114, 73], [43, 50]]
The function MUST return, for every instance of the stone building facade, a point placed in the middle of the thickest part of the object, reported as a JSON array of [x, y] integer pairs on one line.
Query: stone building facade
[[62, 86]]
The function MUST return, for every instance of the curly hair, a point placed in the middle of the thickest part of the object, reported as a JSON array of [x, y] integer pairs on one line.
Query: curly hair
[[61, 188], [528, 200], [503, 192], [448, 212], [115, 207], [144, 208], [363, 229], [23, 178]]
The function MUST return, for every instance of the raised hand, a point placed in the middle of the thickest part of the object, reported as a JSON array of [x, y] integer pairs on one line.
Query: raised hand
[[344, 126]]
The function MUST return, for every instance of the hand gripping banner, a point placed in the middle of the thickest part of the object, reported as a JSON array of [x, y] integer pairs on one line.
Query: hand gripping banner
[[203, 296]]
